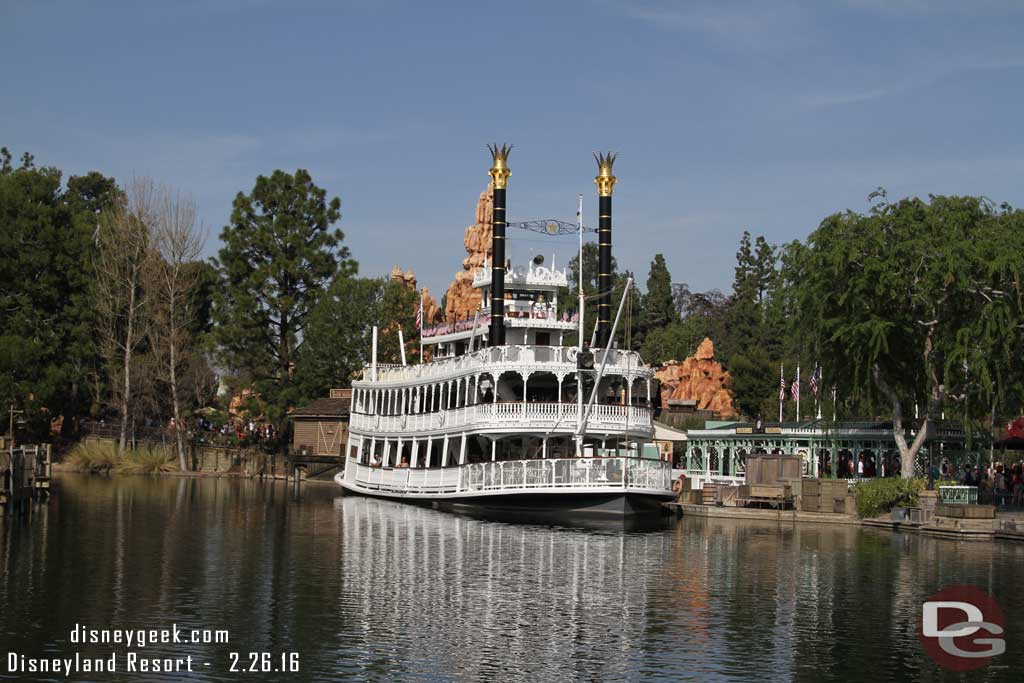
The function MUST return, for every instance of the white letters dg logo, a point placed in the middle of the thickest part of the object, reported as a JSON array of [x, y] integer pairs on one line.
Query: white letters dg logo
[[962, 628]]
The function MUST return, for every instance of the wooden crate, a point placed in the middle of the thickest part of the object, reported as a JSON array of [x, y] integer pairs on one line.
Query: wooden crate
[[753, 470], [766, 491], [789, 469], [810, 487], [728, 495], [918, 515], [810, 503], [710, 494], [966, 511], [833, 488]]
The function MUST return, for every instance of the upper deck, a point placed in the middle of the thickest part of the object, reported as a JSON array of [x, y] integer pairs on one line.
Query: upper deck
[[557, 360]]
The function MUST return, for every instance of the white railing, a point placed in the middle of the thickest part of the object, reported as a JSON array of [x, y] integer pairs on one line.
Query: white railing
[[505, 416], [525, 275], [520, 475], [497, 359]]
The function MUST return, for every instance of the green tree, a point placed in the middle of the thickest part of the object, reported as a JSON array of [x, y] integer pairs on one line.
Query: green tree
[[917, 303], [754, 379], [672, 342], [280, 253], [397, 311], [743, 315], [339, 336], [658, 306], [570, 299], [47, 352]]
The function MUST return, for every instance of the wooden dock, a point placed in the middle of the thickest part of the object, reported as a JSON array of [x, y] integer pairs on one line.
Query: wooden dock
[[788, 516], [25, 473], [1007, 526]]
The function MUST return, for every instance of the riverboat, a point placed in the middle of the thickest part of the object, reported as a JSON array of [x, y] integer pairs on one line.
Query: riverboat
[[506, 417]]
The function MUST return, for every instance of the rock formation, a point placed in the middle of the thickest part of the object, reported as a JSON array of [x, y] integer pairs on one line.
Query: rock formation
[[699, 378], [462, 300], [431, 311]]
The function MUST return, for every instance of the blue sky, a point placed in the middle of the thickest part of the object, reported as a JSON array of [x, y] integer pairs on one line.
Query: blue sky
[[726, 116]]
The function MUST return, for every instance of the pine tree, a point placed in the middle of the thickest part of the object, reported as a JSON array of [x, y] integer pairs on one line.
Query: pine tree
[[48, 353], [280, 253], [658, 306]]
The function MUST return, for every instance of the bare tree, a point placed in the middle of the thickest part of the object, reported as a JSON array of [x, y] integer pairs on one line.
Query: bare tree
[[122, 256], [174, 276]]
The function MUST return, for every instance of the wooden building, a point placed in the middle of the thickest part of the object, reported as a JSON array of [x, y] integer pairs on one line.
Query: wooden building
[[322, 426]]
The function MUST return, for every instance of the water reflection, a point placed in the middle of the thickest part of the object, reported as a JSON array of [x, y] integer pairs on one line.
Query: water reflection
[[375, 590]]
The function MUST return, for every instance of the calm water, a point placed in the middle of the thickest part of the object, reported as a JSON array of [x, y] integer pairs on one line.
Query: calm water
[[371, 590]]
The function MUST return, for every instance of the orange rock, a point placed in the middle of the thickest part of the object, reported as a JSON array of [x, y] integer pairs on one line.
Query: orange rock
[[431, 311], [699, 378], [462, 300]]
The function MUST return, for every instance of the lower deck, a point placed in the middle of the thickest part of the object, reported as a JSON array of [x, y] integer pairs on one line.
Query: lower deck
[[535, 483]]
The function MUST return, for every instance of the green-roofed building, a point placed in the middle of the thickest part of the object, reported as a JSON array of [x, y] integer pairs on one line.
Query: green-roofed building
[[827, 449]]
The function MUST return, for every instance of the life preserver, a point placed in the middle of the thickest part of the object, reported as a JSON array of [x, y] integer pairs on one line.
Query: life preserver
[[677, 486]]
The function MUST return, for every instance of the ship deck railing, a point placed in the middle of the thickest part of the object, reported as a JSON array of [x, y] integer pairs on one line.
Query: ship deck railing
[[548, 474], [512, 415], [497, 359]]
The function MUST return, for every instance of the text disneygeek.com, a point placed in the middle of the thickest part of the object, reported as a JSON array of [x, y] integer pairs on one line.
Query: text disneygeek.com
[[124, 655]]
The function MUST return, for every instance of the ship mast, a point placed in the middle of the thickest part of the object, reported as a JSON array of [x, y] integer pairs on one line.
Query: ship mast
[[579, 342]]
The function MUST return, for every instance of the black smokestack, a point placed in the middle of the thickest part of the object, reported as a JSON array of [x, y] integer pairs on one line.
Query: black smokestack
[[605, 182], [499, 175]]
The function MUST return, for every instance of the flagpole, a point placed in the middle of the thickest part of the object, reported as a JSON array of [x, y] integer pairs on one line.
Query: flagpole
[[835, 405], [797, 392], [782, 388], [817, 394], [422, 325]]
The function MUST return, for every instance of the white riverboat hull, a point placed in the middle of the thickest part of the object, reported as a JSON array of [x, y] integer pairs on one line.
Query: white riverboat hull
[[609, 487]]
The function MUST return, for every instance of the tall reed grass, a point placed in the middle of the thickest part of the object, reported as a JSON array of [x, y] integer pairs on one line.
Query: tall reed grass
[[103, 457]]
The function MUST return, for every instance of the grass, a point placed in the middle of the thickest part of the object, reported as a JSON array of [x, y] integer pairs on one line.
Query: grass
[[103, 457]]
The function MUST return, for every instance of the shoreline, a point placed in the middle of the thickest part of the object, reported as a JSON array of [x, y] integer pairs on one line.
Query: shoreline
[[63, 468], [1005, 527]]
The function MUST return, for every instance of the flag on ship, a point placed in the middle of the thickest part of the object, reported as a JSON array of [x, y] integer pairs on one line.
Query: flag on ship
[[794, 388], [419, 316], [782, 387]]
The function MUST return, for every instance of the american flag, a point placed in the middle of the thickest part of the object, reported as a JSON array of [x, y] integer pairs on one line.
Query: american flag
[[815, 379], [419, 316], [794, 389], [782, 389]]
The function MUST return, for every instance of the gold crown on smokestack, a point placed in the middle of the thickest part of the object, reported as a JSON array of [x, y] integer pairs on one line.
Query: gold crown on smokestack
[[500, 172], [605, 181]]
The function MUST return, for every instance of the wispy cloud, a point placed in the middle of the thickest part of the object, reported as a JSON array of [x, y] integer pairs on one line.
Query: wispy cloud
[[738, 23], [922, 73], [938, 7]]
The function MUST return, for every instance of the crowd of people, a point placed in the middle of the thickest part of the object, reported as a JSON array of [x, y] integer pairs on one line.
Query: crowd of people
[[244, 431], [999, 482]]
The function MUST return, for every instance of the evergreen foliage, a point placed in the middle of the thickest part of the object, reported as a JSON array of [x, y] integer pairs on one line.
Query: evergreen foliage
[[280, 253], [48, 357]]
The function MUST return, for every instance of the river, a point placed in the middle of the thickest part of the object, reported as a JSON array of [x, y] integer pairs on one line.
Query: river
[[362, 589]]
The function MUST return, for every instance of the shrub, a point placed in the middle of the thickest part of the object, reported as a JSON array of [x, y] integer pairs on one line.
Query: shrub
[[94, 456], [102, 457], [878, 496], [147, 460]]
